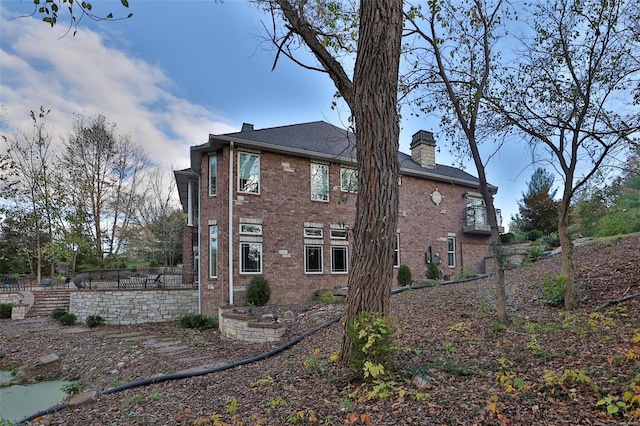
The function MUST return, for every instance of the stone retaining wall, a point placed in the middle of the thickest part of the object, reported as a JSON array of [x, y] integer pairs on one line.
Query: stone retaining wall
[[118, 307], [247, 328]]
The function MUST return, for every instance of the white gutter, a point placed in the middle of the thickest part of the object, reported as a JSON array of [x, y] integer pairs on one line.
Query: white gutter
[[199, 223], [230, 271]]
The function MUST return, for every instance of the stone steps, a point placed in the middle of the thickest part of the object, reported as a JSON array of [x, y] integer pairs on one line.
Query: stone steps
[[45, 301]]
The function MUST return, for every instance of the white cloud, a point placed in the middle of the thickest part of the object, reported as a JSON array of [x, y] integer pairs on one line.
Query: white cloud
[[82, 74]]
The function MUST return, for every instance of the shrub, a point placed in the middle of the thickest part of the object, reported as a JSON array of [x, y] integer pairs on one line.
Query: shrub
[[534, 235], [371, 337], [433, 272], [404, 275], [57, 313], [509, 237], [258, 291], [94, 321], [201, 322], [535, 252], [327, 296], [5, 310], [67, 319], [553, 289], [153, 264]]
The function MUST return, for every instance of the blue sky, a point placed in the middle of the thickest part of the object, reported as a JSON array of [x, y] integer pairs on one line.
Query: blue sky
[[176, 72]]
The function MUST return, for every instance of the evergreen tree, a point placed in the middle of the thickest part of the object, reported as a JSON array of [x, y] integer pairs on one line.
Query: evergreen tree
[[538, 209]]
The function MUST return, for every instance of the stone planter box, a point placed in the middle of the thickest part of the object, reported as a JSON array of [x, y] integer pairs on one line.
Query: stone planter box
[[245, 327]]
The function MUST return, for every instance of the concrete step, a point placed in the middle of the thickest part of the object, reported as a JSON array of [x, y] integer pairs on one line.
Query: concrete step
[[45, 301]]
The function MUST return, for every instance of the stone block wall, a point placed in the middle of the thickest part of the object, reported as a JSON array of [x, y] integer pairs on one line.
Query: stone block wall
[[246, 328], [119, 307]]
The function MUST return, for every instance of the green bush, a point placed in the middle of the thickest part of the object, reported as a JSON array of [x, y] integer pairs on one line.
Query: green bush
[[153, 264], [5, 310], [535, 251], [67, 319], [57, 313], [371, 337], [201, 322], [94, 321], [404, 275], [553, 289], [327, 296], [534, 235], [258, 291], [433, 272], [509, 237]]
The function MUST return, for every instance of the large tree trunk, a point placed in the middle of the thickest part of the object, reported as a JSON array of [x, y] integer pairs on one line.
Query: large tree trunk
[[377, 132], [567, 255]]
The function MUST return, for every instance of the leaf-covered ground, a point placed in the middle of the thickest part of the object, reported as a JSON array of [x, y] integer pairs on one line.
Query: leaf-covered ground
[[454, 364]]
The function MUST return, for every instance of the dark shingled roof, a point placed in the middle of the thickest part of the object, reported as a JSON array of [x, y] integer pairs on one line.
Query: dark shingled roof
[[316, 140]]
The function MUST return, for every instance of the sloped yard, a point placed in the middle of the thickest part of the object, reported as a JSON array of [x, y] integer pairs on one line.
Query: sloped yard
[[454, 364]]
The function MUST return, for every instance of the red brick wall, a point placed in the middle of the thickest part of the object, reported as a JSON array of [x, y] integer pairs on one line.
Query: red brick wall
[[284, 205]]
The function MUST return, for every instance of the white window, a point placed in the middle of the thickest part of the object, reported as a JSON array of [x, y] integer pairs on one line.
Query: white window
[[451, 251], [319, 182], [248, 173], [313, 233], [396, 252], [250, 229], [213, 251], [338, 234], [213, 174], [312, 259], [250, 258], [348, 180], [339, 259]]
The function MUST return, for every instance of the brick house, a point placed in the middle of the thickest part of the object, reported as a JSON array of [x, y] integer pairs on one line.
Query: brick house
[[280, 202]]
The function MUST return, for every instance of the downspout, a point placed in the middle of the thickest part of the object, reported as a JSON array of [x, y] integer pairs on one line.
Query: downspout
[[199, 223], [230, 268], [190, 203]]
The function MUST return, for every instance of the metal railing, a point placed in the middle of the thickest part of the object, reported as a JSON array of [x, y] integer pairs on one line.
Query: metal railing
[[477, 216], [136, 278]]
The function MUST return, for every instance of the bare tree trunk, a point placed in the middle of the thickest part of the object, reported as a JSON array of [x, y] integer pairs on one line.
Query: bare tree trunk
[[377, 134], [567, 256]]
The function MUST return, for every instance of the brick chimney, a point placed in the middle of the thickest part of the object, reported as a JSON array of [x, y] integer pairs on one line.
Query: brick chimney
[[246, 127], [423, 149]]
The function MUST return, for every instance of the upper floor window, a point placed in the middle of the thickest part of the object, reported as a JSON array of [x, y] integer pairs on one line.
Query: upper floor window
[[319, 182], [248, 173], [348, 180], [213, 174], [338, 234]]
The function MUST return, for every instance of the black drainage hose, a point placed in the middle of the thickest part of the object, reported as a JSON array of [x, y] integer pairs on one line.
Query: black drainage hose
[[186, 375]]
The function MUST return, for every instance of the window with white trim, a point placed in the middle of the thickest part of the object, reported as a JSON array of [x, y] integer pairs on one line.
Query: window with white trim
[[339, 259], [250, 229], [248, 173], [213, 251], [313, 233], [396, 252], [338, 234], [451, 251], [312, 259], [213, 174], [348, 180], [250, 258], [319, 182]]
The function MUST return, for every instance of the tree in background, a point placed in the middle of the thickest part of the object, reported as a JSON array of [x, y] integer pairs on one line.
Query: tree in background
[[35, 197], [570, 94], [103, 169], [538, 209], [452, 66], [157, 235]]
